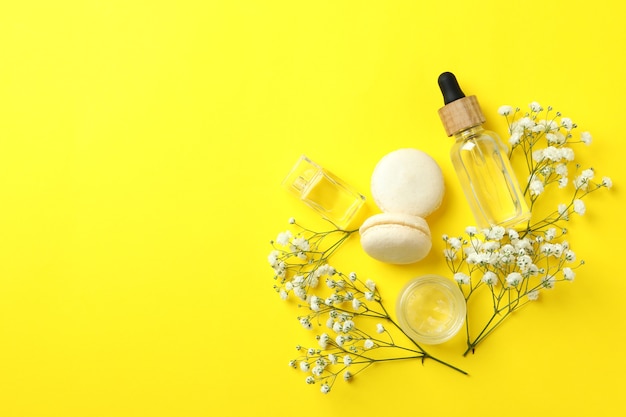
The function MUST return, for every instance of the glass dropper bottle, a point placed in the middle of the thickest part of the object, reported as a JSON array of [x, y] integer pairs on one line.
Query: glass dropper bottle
[[480, 160]]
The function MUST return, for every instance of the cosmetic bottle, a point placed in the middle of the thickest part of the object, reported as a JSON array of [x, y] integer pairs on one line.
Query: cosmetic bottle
[[480, 160], [324, 192]]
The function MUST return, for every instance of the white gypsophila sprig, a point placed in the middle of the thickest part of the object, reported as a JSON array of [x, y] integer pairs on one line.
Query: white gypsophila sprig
[[299, 258], [344, 312], [546, 139], [514, 269], [516, 266]]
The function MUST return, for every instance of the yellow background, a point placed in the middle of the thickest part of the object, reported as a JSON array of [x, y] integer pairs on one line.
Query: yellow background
[[142, 146]]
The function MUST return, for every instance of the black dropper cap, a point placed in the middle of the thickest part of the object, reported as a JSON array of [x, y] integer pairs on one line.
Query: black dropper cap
[[449, 88], [459, 112]]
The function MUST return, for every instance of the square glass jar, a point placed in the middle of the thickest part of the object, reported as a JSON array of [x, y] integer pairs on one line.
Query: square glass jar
[[324, 192]]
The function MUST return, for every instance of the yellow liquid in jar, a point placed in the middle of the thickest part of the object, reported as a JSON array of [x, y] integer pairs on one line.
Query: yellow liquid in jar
[[429, 310], [332, 198]]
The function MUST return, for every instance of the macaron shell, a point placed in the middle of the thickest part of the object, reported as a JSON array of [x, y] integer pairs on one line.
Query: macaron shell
[[407, 181], [396, 238]]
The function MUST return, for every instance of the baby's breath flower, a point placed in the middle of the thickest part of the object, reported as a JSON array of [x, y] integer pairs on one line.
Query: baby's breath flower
[[450, 254], [368, 344], [553, 154], [337, 327], [323, 340], [310, 380], [371, 285], [533, 295], [523, 245], [317, 370], [579, 207], [455, 243], [581, 182], [461, 278], [304, 366], [524, 262], [567, 123], [273, 258], [380, 328], [490, 278], [325, 388], [314, 303], [548, 281], [515, 138], [347, 360], [545, 126], [568, 274], [606, 181], [301, 244], [300, 292], [306, 323], [356, 304], [348, 326], [283, 238], [536, 187], [495, 232], [535, 107], [586, 138], [491, 246], [347, 376], [526, 123], [514, 279], [561, 169], [505, 110]]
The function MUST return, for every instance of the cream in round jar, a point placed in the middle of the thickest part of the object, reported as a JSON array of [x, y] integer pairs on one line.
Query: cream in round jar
[[431, 309]]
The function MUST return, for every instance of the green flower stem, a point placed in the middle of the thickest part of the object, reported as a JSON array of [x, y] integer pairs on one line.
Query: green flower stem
[[485, 332], [426, 355], [512, 305], [423, 354]]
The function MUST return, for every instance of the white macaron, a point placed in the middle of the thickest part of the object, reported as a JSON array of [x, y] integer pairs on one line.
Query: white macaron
[[396, 238], [407, 181]]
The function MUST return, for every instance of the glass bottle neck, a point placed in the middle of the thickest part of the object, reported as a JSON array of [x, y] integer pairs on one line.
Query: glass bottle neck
[[469, 133]]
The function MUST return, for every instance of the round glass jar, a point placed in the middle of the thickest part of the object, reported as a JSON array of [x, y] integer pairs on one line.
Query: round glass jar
[[431, 309]]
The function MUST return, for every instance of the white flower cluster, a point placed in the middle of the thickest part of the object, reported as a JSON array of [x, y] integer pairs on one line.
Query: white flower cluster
[[504, 261], [298, 260], [342, 354], [345, 343], [350, 308], [549, 162]]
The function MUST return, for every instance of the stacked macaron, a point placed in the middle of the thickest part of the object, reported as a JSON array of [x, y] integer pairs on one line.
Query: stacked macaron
[[407, 185]]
